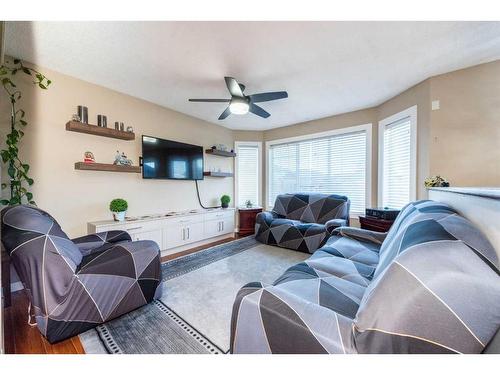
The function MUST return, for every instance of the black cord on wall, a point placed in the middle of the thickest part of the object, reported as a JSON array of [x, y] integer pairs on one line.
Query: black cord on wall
[[199, 199]]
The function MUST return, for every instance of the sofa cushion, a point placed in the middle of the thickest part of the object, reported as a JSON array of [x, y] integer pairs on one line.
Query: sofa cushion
[[312, 208], [355, 250]]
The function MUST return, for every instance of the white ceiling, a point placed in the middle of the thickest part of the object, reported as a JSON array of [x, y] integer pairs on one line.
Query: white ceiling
[[327, 67]]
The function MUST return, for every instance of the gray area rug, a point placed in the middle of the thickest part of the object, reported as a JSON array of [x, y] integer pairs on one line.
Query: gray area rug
[[194, 313]]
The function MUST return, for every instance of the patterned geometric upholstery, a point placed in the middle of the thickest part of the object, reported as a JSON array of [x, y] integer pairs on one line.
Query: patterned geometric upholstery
[[302, 221], [74, 285], [431, 286]]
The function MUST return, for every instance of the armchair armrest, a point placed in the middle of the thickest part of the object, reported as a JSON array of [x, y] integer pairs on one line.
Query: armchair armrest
[[332, 224], [361, 234], [92, 242]]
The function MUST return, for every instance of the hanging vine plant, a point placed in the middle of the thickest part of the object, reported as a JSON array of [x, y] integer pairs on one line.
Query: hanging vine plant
[[18, 171]]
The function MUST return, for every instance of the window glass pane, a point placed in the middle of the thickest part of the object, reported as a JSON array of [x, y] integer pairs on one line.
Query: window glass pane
[[248, 174], [330, 165], [397, 167]]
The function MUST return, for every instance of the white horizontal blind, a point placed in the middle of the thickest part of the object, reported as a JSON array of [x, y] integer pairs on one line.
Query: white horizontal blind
[[396, 164], [331, 165], [247, 174]]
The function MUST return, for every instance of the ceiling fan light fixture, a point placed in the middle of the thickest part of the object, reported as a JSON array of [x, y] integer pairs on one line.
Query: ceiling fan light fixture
[[239, 107]]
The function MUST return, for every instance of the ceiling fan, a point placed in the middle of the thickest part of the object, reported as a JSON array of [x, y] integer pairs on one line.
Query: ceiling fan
[[241, 104]]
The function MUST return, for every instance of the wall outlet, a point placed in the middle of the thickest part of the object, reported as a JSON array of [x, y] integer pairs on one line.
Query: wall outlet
[[435, 105]]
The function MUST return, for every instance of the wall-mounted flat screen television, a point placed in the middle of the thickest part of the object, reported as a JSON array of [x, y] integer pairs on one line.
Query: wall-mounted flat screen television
[[164, 159]]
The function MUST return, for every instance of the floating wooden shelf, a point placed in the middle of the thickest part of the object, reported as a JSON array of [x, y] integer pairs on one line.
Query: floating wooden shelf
[[107, 167], [227, 154], [218, 174], [80, 127]]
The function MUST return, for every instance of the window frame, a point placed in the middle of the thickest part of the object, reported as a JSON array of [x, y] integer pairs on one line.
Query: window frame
[[259, 170], [350, 129], [410, 113]]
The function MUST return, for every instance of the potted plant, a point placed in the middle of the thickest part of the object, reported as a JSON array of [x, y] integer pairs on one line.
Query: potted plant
[[118, 207], [248, 203], [224, 201]]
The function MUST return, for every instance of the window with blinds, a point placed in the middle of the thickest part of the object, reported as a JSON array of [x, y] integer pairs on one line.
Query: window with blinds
[[247, 173], [334, 164], [396, 164]]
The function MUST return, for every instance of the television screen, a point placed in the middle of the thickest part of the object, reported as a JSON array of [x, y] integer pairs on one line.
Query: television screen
[[163, 159]]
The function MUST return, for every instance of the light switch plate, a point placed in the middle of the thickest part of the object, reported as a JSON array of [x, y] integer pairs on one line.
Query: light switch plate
[[435, 105]]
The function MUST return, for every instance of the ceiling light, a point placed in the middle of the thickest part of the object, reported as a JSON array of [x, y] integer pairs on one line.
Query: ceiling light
[[238, 106]]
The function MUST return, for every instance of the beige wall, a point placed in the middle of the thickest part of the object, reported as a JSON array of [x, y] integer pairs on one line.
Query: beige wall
[[460, 141], [76, 197], [465, 131]]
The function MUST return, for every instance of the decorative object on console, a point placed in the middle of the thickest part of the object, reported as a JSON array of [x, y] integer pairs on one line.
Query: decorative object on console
[[130, 129], [224, 201], [16, 168], [118, 207], [384, 213], [117, 125], [102, 120], [248, 203], [122, 126], [75, 117], [83, 113], [121, 159], [88, 157], [436, 181]]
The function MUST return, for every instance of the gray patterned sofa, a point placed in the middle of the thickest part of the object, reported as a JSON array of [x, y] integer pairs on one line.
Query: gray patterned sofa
[[302, 221], [74, 285], [430, 285]]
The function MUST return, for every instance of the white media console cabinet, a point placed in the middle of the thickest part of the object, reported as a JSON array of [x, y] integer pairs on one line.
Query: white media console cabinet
[[175, 231]]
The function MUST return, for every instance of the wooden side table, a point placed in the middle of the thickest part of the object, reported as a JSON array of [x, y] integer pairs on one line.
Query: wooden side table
[[5, 277], [375, 224], [247, 219]]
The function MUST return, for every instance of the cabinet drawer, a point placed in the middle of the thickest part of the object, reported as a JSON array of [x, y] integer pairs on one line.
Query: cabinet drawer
[[185, 220], [154, 235], [219, 215]]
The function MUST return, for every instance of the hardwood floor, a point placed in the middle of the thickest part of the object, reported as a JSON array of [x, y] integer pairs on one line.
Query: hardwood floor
[[20, 338]]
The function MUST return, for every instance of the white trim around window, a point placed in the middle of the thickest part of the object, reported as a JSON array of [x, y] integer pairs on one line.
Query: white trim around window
[[409, 114], [258, 146], [367, 128]]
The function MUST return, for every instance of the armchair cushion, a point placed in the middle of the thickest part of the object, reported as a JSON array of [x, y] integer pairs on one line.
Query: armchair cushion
[[93, 242], [363, 235]]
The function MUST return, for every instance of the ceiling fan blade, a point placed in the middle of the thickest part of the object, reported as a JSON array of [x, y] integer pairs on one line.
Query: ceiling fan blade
[[267, 96], [258, 111], [224, 114], [233, 87], [210, 100]]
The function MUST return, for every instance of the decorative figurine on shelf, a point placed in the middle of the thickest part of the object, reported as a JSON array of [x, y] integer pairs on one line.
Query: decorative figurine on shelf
[[248, 203], [130, 129], [121, 159], [88, 157], [436, 181], [75, 117]]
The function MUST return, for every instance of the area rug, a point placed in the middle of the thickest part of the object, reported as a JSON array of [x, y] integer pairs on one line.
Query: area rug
[[194, 313]]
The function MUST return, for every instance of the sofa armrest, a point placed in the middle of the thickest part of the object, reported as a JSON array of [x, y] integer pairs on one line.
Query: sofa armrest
[[94, 242], [332, 224], [361, 234], [266, 216]]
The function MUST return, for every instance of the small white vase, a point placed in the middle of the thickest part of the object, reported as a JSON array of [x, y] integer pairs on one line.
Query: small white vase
[[119, 216]]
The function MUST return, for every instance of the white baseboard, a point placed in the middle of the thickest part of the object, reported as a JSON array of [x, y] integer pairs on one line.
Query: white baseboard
[[195, 244]]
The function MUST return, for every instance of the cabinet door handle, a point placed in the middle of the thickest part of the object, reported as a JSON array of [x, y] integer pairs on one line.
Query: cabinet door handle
[[134, 228], [222, 226], [183, 234], [218, 227], [188, 233]]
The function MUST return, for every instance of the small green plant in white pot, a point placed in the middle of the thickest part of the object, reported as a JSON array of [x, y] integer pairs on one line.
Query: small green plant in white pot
[[118, 207]]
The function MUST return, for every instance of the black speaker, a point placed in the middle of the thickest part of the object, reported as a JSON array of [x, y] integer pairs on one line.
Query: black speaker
[[382, 213]]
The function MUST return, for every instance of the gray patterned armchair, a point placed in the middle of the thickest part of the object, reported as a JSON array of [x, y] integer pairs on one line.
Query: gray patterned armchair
[[429, 285], [302, 221], [74, 285]]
